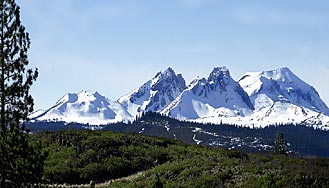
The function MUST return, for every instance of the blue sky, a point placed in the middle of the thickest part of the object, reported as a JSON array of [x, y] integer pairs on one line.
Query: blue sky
[[113, 46]]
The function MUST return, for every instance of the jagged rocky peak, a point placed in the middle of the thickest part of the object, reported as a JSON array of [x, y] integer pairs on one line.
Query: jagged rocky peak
[[155, 94], [168, 77], [260, 98], [220, 76], [219, 95], [167, 73], [170, 73], [218, 73]]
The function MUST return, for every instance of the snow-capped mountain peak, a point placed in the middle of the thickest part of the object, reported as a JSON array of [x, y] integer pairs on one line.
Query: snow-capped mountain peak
[[264, 88], [258, 99], [220, 80], [168, 78], [219, 95], [219, 72], [283, 75], [84, 107], [155, 94], [166, 73], [81, 96]]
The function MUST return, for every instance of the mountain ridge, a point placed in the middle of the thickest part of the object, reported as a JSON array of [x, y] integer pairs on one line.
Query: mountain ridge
[[258, 99], [218, 95], [155, 94]]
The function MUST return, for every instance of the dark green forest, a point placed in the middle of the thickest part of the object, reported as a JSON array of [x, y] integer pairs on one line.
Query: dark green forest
[[78, 156], [163, 149], [302, 140]]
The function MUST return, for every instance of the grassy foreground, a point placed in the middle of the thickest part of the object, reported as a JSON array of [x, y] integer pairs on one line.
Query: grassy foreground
[[76, 157]]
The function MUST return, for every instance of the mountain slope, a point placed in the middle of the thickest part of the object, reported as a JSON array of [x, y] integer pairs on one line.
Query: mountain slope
[[171, 163], [267, 87], [217, 96], [257, 100], [155, 94], [279, 96], [84, 107]]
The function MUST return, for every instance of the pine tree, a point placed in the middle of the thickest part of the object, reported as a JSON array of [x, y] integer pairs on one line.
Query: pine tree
[[21, 162], [281, 146]]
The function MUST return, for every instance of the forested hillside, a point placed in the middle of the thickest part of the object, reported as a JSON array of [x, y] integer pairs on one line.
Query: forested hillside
[[76, 157], [302, 140]]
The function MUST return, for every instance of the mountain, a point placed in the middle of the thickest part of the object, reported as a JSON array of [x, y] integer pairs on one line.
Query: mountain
[[259, 99], [84, 107], [279, 96], [36, 114], [155, 94], [217, 96], [267, 87]]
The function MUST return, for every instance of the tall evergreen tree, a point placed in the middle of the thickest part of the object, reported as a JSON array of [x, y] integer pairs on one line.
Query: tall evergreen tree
[[21, 162], [280, 146]]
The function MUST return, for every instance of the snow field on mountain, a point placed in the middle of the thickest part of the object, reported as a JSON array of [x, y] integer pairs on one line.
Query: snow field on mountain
[[258, 99]]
